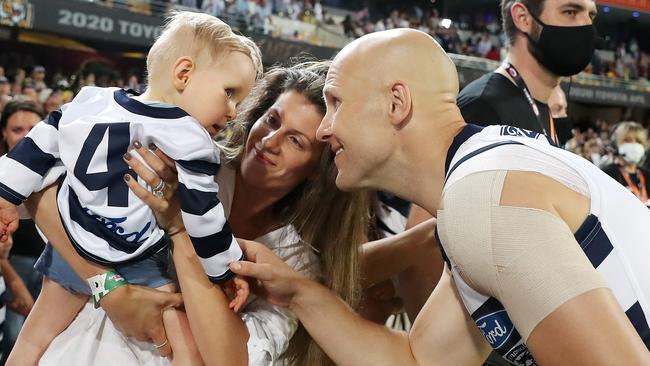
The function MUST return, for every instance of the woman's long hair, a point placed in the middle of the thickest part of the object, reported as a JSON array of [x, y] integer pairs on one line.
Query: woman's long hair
[[333, 222]]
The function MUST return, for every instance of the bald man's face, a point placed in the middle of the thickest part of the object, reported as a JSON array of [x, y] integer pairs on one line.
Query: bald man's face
[[356, 124]]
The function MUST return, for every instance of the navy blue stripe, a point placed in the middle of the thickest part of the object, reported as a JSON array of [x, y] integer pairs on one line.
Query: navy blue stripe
[[442, 247], [479, 151], [226, 276], [153, 249], [134, 106], [11, 195], [114, 235], [199, 166], [468, 131], [30, 155], [391, 200], [593, 240], [211, 245], [586, 228], [382, 226], [196, 202], [640, 323], [53, 118]]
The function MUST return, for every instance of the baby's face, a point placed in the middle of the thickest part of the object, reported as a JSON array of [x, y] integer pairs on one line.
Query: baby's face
[[214, 91]]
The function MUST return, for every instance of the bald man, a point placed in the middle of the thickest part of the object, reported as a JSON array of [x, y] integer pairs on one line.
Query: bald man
[[548, 256]]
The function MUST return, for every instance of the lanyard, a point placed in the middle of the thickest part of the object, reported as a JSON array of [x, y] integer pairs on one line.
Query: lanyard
[[529, 98], [643, 193]]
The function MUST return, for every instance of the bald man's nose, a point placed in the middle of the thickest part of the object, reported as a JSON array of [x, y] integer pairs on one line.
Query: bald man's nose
[[324, 131]]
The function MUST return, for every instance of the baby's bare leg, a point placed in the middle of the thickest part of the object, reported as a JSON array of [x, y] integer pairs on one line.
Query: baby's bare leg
[[54, 309], [179, 335]]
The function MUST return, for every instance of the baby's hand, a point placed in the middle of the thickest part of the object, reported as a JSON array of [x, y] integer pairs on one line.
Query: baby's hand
[[237, 289], [9, 218], [5, 247]]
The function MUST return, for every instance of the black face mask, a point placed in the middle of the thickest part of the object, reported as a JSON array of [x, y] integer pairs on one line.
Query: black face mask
[[564, 51]]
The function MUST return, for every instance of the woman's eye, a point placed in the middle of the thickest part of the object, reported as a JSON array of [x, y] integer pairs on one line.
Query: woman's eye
[[229, 93], [295, 141], [271, 120]]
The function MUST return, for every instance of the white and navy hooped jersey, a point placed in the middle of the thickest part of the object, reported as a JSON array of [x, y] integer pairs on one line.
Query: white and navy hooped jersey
[[392, 214], [615, 236], [105, 221]]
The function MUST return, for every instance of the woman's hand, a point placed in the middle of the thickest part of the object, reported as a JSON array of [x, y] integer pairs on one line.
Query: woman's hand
[[137, 312], [166, 206]]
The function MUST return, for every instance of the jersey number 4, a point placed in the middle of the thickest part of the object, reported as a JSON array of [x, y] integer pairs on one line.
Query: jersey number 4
[[118, 144]]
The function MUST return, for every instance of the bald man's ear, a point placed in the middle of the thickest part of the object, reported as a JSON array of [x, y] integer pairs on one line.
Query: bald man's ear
[[400, 103], [182, 70]]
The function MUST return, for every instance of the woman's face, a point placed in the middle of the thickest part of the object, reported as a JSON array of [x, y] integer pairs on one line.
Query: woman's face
[[282, 150], [18, 124], [632, 137]]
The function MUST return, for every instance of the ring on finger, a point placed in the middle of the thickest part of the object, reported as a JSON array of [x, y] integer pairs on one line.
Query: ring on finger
[[163, 344], [160, 186], [158, 190]]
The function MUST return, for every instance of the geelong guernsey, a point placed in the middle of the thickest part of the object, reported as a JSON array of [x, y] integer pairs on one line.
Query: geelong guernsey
[[105, 221], [615, 236]]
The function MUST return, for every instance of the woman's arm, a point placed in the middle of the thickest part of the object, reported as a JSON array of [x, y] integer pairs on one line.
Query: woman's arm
[[219, 332], [136, 310]]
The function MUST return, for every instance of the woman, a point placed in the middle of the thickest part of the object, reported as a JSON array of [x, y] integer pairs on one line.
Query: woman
[[279, 190], [630, 140], [18, 118]]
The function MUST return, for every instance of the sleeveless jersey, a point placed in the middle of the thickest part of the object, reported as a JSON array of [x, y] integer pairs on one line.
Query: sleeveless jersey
[[615, 236]]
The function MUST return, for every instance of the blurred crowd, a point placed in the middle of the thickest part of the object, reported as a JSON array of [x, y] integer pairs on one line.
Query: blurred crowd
[[477, 34], [600, 142], [49, 91]]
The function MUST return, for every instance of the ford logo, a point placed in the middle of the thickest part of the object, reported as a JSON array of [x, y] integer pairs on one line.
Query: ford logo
[[496, 328]]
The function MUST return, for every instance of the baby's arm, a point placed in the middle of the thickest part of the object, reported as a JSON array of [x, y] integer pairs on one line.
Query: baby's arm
[[204, 218], [23, 169], [9, 218], [41, 327]]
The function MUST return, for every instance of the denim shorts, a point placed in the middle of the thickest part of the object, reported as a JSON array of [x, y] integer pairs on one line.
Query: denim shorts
[[150, 272]]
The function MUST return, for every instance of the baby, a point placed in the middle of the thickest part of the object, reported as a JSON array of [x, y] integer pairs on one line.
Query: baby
[[198, 73]]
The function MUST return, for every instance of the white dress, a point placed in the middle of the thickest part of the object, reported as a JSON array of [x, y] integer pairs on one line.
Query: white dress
[[93, 340]]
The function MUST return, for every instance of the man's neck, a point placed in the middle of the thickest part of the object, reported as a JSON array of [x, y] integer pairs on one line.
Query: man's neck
[[538, 79], [418, 173]]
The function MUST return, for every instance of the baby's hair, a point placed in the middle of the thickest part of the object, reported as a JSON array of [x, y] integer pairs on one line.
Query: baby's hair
[[187, 33]]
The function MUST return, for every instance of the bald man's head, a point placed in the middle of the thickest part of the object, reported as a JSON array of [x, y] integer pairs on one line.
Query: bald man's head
[[400, 54], [379, 86]]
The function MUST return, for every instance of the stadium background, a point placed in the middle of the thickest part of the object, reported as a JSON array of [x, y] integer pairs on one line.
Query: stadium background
[[84, 42], [49, 49]]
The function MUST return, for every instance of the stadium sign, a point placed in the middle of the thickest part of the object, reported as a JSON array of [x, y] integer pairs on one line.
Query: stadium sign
[[608, 95], [92, 21]]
